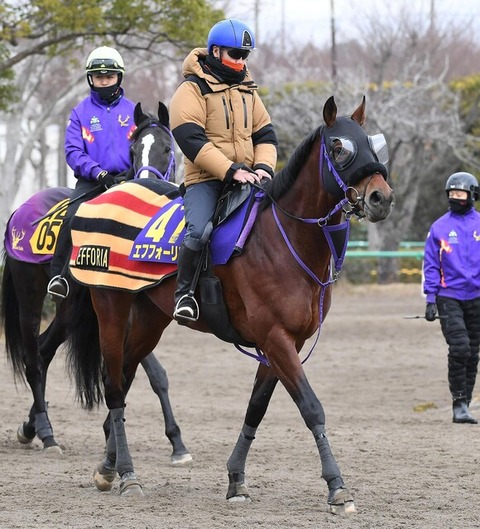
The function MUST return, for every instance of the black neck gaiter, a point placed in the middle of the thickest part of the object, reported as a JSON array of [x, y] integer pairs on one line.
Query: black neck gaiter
[[224, 73], [460, 207], [108, 93]]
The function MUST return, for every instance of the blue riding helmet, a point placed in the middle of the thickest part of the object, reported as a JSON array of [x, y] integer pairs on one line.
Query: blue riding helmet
[[231, 33]]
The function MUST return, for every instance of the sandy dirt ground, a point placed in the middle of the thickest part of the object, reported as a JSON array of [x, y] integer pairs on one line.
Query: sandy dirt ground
[[380, 377]]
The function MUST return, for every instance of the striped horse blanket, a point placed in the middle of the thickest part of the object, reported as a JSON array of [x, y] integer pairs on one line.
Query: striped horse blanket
[[128, 237]]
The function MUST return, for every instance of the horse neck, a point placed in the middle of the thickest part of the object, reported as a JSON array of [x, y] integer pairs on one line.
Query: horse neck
[[308, 199]]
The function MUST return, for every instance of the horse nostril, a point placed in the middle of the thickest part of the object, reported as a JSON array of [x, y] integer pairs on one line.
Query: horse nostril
[[375, 198]]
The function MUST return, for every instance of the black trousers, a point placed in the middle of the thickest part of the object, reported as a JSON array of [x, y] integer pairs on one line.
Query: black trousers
[[460, 322], [89, 189]]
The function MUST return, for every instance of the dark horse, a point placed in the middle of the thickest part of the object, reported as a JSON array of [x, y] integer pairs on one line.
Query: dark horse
[[25, 279], [278, 291]]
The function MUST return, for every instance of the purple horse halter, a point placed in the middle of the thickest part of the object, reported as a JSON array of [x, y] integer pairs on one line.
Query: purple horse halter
[[349, 208]]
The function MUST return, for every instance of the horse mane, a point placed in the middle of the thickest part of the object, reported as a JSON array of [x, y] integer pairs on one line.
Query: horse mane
[[284, 179]]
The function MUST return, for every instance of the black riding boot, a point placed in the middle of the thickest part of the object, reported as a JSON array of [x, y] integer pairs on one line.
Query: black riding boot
[[461, 413], [186, 306], [457, 379]]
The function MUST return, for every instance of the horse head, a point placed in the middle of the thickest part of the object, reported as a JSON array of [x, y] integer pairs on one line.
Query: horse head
[[353, 163], [152, 146]]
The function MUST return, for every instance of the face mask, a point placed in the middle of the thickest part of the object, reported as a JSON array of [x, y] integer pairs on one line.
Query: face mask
[[459, 206], [237, 66], [107, 93]]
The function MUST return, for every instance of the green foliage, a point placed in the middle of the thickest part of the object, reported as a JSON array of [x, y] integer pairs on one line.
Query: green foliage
[[7, 86], [31, 27]]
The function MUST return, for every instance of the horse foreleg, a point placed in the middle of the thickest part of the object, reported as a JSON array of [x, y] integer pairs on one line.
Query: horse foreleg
[[292, 376], [113, 314], [159, 382], [105, 472], [265, 382]]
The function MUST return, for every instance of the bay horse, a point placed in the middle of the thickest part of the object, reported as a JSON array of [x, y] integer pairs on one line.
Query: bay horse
[[277, 292], [26, 274]]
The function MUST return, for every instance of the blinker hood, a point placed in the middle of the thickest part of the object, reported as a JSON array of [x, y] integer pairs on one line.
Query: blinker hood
[[347, 156]]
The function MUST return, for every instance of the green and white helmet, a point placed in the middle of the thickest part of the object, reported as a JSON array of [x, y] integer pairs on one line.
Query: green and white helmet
[[104, 60]]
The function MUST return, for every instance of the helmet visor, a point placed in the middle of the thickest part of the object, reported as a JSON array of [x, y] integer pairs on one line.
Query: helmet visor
[[103, 66], [378, 144]]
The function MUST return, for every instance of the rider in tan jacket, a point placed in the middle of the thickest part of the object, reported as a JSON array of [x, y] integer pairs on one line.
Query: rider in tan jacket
[[225, 133]]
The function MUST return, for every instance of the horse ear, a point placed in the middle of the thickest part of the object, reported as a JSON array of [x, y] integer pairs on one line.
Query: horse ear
[[359, 115], [330, 111], [163, 115], [138, 115]]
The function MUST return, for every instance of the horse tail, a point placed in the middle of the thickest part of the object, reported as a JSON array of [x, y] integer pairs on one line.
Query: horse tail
[[10, 321], [84, 359]]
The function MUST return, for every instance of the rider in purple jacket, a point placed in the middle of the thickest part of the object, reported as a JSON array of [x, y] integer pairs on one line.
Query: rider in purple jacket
[[97, 146], [452, 287]]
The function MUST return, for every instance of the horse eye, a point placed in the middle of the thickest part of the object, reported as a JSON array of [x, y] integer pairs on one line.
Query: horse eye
[[343, 151]]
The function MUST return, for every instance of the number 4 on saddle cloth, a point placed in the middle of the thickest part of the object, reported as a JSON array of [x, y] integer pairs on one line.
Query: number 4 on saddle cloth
[[129, 237]]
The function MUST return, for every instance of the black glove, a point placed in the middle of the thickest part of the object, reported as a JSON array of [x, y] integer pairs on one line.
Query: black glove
[[120, 179], [124, 176], [430, 311], [106, 179]]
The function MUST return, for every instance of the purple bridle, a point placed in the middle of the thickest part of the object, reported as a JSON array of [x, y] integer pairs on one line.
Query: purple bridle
[[170, 171]]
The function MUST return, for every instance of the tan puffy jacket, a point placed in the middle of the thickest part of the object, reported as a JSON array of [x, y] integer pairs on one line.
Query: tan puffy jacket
[[221, 126]]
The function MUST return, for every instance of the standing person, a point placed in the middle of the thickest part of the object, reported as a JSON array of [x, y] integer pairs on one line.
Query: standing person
[[225, 133], [97, 147], [452, 287]]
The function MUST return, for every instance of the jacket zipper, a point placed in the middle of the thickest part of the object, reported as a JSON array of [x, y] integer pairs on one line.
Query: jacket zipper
[[225, 108], [245, 116]]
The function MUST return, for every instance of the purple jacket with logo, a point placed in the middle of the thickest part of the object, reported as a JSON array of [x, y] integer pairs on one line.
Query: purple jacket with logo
[[451, 265], [98, 135]]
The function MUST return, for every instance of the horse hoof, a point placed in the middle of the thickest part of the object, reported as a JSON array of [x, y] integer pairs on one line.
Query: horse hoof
[[131, 487], [22, 438], [181, 460], [103, 478], [53, 450], [238, 493], [340, 501], [239, 499]]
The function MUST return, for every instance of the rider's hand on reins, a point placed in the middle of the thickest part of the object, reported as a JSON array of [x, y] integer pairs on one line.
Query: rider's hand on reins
[[243, 176], [263, 174]]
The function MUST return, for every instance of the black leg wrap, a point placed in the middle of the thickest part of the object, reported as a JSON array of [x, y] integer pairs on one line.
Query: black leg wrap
[[42, 426], [330, 469]]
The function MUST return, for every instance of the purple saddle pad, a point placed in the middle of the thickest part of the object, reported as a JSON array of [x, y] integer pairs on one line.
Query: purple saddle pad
[[29, 237], [161, 238]]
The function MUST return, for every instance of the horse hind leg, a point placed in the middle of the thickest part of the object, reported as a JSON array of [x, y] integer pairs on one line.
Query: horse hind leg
[[159, 382], [26, 431], [117, 460], [35, 371], [262, 392]]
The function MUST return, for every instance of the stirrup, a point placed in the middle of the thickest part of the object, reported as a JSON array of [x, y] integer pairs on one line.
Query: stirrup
[[186, 312], [63, 288]]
